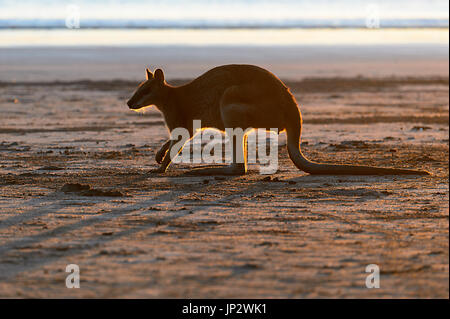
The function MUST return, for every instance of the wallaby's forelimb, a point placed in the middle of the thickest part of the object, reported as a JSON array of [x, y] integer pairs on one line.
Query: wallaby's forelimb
[[167, 160], [162, 151]]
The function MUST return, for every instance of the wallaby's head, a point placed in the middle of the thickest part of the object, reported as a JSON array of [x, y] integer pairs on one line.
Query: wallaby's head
[[149, 92]]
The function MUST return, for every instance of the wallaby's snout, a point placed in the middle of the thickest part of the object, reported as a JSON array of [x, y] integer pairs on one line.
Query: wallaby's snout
[[135, 103], [130, 103]]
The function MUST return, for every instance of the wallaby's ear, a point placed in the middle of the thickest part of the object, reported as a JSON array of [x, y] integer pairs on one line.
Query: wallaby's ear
[[159, 75], [148, 74]]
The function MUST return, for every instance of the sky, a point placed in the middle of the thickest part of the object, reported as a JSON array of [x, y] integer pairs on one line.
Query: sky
[[231, 11]]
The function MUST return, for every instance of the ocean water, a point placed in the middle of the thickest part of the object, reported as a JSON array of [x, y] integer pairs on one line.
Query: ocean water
[[223, 14]]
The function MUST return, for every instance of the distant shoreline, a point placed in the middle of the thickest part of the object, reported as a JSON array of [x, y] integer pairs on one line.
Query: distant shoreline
[[222, 24]]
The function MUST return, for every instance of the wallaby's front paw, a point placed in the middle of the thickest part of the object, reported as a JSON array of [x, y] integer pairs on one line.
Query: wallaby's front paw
[[159, 157]]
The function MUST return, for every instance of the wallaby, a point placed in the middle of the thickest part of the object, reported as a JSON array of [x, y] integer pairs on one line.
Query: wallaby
[[236, 96]]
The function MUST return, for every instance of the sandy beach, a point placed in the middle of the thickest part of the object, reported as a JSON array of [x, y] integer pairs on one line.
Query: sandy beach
[[64, 120]]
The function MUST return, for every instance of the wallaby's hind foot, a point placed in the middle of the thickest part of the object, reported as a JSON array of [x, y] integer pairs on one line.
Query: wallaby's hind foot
[[231, 170]]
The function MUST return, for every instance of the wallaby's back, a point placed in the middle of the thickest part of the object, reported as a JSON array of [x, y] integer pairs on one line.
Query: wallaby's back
[[238, 83]]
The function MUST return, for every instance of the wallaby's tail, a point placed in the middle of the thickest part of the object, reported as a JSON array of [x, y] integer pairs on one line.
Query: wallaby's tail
[[293, 136]]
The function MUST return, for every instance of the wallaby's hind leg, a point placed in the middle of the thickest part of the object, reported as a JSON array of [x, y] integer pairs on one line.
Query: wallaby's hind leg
[[234, 116]]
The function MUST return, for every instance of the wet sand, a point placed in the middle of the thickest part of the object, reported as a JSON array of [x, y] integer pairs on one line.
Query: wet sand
[[290, 235], [95, 63]]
